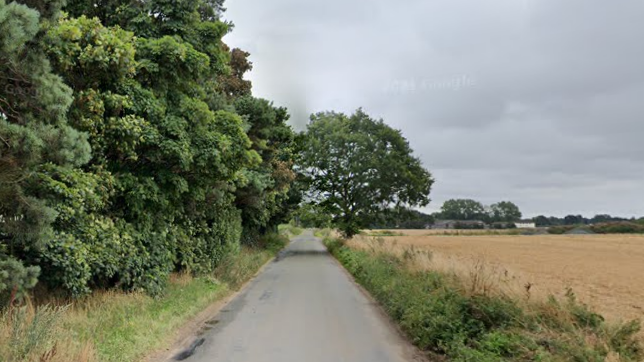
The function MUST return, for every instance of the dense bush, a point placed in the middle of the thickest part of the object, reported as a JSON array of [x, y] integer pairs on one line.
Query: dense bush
[[158, 160], [443, 318]]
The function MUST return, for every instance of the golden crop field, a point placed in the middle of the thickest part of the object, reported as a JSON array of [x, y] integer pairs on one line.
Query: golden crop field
[[604, 271]]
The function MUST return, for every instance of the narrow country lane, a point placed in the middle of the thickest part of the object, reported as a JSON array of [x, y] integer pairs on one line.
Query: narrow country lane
[[302, 308]]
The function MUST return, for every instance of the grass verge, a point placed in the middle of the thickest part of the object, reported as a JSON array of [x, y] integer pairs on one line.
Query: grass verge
[[113, 326], [451, 318]]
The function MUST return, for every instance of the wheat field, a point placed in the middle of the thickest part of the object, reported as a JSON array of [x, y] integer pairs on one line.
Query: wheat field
[[604, 271]]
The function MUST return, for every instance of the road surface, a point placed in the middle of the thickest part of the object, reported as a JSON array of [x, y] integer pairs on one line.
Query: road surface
[[302, 308]]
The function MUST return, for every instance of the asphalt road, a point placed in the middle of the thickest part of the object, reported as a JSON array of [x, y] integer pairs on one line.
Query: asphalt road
[[303, 307]]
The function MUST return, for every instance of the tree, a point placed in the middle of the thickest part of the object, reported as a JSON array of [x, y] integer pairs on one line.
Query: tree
[[574, 220], [400, 218], [265, 190], [34, 135], [158, 161], [357, 165], [541, 221], [463, 210], [312, 216], [174, 162], [505, 211], [233, 84]]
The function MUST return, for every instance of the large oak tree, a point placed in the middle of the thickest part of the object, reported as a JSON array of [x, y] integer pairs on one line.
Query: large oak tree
[[357, 165]]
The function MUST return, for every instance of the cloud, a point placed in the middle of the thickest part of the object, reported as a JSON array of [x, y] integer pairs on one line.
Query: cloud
[[539, 102]]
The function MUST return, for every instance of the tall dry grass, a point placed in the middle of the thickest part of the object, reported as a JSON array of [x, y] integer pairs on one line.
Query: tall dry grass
[[437, 300], [477, 276], [115, 326], [30, 334]]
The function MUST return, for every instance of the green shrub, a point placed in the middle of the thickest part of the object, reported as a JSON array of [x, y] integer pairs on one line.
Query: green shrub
[[145, 167], [15, 279], [621, 340], [505, 343], [273, 242]]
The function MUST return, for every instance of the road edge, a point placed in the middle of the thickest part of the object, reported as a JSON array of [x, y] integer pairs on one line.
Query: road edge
[[190, 332], [412, 353]]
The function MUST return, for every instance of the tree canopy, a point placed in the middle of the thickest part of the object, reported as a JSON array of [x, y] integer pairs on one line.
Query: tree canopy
[[463, 210], [505, 211], [130, 144], [357, 166], [470, 210]]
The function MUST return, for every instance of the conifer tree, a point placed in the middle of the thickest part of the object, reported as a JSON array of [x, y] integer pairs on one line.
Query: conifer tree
[[33, 133]]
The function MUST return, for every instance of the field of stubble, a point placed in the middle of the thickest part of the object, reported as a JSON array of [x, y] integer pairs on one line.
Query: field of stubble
[[604, 271]]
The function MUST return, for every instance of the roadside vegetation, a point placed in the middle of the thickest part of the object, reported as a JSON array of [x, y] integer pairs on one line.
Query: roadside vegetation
[[470, 318], [131, 147], [139, 177], [290, 229], [111, 326]]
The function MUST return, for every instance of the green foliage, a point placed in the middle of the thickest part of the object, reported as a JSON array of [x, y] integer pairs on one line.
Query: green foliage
[[357, 166], [120, 327], [469, 226], [463, 210], [263, 196], [28, 334], [33, 133], [441, 317], [400, 218], [505, 211], [502, 213], [273, 242], [312, 216], [183, 163], [15, 279]]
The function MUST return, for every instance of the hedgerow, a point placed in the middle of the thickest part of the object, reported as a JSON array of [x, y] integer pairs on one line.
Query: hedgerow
[[130, 147]]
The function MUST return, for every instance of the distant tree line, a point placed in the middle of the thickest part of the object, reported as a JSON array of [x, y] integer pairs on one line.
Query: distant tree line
[[401, 218], [544, 221], [471, 210], [313, 216], [508, 212]]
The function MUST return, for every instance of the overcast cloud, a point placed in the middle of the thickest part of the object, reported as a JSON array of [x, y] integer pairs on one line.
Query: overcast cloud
[[536, 101]]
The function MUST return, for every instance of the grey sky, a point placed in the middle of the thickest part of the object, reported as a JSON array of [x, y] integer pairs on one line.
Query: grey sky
[[536, 101]]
